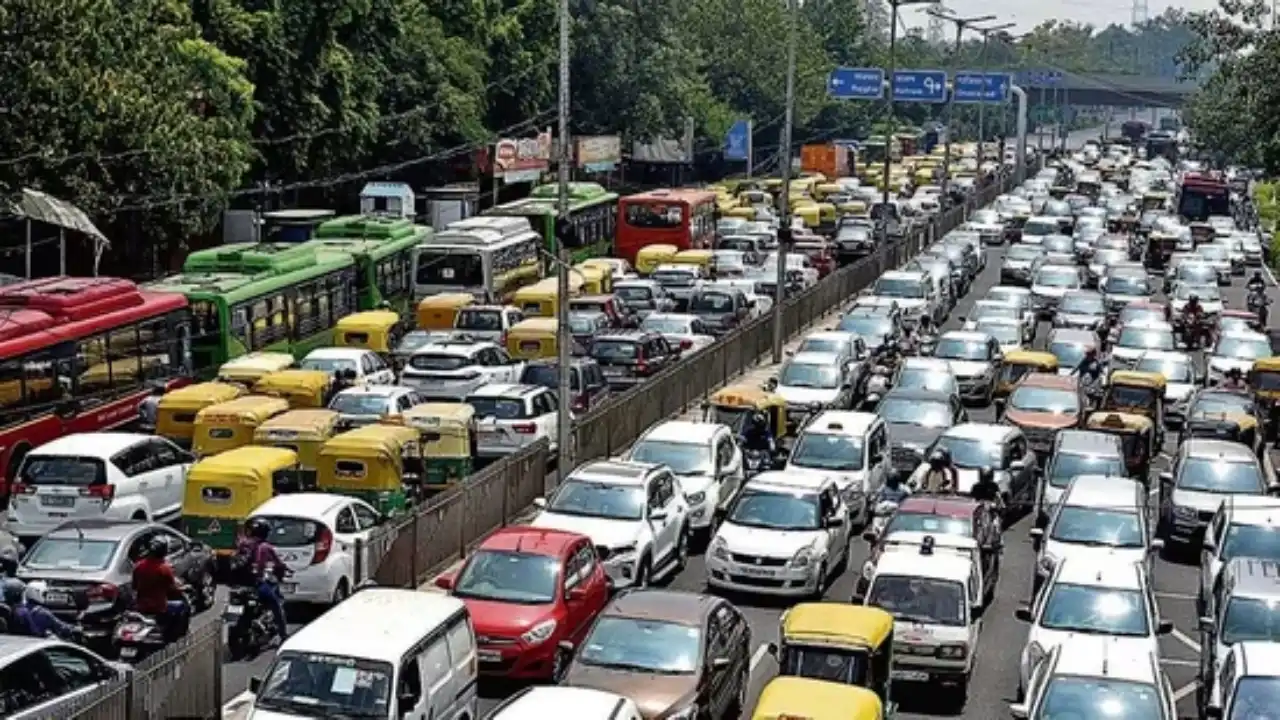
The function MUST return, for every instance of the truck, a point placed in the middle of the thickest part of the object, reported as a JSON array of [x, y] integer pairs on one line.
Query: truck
[[830, 159]]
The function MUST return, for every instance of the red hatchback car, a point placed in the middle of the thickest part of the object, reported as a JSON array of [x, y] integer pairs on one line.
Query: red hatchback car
[[529, 590]]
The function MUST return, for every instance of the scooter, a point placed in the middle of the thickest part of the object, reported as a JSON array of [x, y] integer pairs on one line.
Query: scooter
[[248, 625], [139, 636], [1258, 304]]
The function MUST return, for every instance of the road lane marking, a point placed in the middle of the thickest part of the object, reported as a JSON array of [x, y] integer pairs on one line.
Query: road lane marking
[[1175, 596], [759, 655], [1185, 690], [1180, 663], [1270, 277], [1182, 638]]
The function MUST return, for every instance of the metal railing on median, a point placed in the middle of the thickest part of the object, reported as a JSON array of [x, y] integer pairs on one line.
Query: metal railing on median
[[182, 682]]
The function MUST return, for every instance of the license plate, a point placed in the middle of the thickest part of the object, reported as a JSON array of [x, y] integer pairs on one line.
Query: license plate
[[756, 572], [909, 675], [57, 501], [288, 587], [58, 598], [128, 652], [233, 611], [489, 656], [614, 372]]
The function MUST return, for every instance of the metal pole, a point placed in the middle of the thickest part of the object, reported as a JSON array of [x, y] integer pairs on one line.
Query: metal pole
[[982, 106], [62, 251], [28, 248], [564, 434], [888, 136], [1021, 169], [751, 150], [951, 104], [1066, 103], [785, 199]]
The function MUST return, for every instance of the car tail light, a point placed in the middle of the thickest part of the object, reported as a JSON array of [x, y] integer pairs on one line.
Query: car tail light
[[324, 543], [525, 428], [578, 405], [642, 367], [103, 492], [686, 344], [21, 489], [103, 592]]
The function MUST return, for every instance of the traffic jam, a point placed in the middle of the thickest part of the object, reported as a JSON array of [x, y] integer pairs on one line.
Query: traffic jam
[[1028, 470]]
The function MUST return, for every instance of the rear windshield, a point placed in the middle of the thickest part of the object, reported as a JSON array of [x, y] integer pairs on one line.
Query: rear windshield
[[290, 531], [547, 376], [68, 553], [499, 408], [59, 470], [479, 320], [439, 362], [612, 350]]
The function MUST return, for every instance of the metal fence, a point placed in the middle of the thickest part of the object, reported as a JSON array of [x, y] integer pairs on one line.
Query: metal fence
[[182, 682]]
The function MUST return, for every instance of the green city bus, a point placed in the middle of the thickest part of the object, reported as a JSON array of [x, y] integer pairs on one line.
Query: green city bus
[[383, 250], [593, 210], [249, 297]]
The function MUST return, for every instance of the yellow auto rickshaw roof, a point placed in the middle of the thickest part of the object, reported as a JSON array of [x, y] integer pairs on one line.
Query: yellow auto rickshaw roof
[[255, 364], [250, 462], [452, 301], [746, 396], [837, 623], [306, 420], [201, 394], [659, 249], [368, 320], [443, 413], [550, 287], [788, 697], [1152, 380], [370, 440], [535, 325], [1031, 357], [247, 407], [829, 187], [1118, 421], [1267, 364], [592, 272], [695, 255], [293, 379]]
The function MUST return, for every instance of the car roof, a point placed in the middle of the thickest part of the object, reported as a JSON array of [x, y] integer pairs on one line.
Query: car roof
[[311, 506], [1149, 326], [918, 394], [1101, 491], [910, 561], [531, 540], [928, 363], [816, 358], [1255, 577], [986, 432], [1105, 656], [451, 347], [1050, 381], [336, 353], [902, 275], [1252, 510], [13, 647], [386, 391], [1217, 449], [94, 444], [378, 623], [1171, 356], [544, 701], [967, 335], [664, 605], [684, 432], [842, 422], [100, 528], [1257, 658], [505, 390], [790, 481], [617, 472], [959, 507], [842, 335], [1094, 574]]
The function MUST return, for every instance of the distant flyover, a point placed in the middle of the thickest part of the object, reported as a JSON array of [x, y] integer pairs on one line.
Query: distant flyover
[[1111, 90]]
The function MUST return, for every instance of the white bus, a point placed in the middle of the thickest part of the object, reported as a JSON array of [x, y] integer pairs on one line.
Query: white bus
[[488, 257]]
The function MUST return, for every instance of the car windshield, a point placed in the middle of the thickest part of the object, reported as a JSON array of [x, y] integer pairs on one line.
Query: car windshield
[[63, 470], [1099, 528], [593, 499], [1174, 371], [1009, 296], [1132, 315], [359, 403], [417, 339], [1057, 277], [909, 288], [1202, 474], [1082, 304], [827, 451], [1126, 285], [995, 310], [666, 325], [71, 554], [1206, 293], [1260, 541], [1256, 698], [1142, 338], [1066, 466], [915, 411], [642, 645], [498, 408], [512, 577], [615, 350], [1039, 228], [548, 375], [919, 600], [1059, 244], [866, 326], [305, 684], [711, 302], [824, 345], [776, 510], [329, 365], [1214, 253], [635, 295], [1045, 400], [583, 324], [1024, 253], [957, 349], [927, 523], [479, 320], [810, 375], [1109, 257], [1243, 348], [682, 458], [1207, 404], [1095, 610], [1004, 333], [967, 453], [1247, 618], [922, 379], [1077, 698]]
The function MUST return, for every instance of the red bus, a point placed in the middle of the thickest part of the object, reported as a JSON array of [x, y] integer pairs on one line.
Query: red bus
[[685, 218], [1203, 194], [80, 355]]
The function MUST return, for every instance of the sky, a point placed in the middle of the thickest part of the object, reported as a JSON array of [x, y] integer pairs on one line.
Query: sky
[[1029, 13]]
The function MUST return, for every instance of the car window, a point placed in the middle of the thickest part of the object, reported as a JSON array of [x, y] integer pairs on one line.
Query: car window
[[346, 522], [365, 516], [27, 682], [74, 668], [176, 544], [366, 362]]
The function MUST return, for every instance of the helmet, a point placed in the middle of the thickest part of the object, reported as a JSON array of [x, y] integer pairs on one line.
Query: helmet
[[1257, 274], [36, 590], [758, 420], [939, 458], [157, 549], [258, 529], [14, 590], [9, 559], [925, 321], [986, 474]]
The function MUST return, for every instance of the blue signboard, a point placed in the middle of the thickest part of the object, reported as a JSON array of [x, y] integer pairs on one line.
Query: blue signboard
[[737, 142], [1040, 78], [846, 83], [979, 87], [927, 86]]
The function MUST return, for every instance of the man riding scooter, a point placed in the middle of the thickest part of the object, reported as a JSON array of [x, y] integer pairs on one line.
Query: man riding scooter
[[157, 592], [942, 476], [267, 569], [1234, 381], [34, 619], [758, 443], [1193, 330]]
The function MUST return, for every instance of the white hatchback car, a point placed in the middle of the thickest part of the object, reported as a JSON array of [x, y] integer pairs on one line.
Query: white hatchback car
[[509, 417], [368, 366], [315, 534], [705, 456], [119, 476], [1094, 677], [367, 405]]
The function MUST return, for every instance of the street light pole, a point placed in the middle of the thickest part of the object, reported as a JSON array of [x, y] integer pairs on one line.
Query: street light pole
[[784, 233], [564, 434], [961, 24], [982, 115]]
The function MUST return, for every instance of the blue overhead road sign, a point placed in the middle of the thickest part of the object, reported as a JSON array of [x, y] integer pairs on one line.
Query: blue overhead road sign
[[737, 142], [979, 87], [848, 83], [928, 86]]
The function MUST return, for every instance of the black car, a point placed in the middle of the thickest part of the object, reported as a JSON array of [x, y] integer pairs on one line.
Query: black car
[[587, 383], [854, 241], [88, 567], [630, 358], [915, 419]]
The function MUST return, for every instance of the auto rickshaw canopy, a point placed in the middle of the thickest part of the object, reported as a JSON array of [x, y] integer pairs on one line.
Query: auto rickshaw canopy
[[442, 417], [440, 312], [374, 330], [1121, 422], [248, 369], [193, 398], [838, 624], [233, 483], [796, 698], [700, 258], [1264, 378], [1132, 378], [297, 425], [255, 409], [1041, 361], [302, 389], [533, 338], [595, 280], [738, 400]]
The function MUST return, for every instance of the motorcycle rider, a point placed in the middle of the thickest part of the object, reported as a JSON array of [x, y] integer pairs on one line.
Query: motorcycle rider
[[942, 476], [11, 592], [9, 562], [1256, 283], [985, 489], [757, 436], [157, 592], [1090, 369], [36, 620], [1235, 381], [267, 567], [1192, 313], [894, 490]]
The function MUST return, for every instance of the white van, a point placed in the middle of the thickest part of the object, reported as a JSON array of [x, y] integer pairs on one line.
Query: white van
[[565, 703], [383, 652]]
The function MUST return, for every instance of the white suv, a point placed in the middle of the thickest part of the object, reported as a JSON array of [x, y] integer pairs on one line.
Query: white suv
[[1249, 682], [450, 370], [1092, 677], [707, 459], [368, 366], [850, 447], [509, 417], [634, 513], [119, 476]]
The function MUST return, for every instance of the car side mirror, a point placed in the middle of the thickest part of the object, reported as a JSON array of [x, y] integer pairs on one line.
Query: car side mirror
[[578, 593], [835, 521], [1206, 623], [1023, 613], [1000, 404], [720, 663], [1166, 478], [1208, 545], [255, 685], [658, 516], [1036, 533], [1213, 711], [445, 581], [1018, 465], [540, 503], [1156, 546], [566, 646], [1165, 627], [869, 536], [1020, 711]]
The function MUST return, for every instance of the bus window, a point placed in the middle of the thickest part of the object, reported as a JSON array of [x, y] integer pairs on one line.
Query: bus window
[[652, 215]]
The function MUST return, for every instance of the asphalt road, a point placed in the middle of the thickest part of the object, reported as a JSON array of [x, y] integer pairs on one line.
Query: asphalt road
[[995, 679]]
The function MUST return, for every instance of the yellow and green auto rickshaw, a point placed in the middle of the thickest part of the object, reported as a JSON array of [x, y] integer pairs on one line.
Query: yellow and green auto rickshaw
[[302, 389], [447, 441], [304, 432], [1264, 380], [231, 424], [533, 339], [177, 409], [733, 404], [649, 257], [376, 330], [379, 464], [249, 369], [810, 215], [852, 644], [822, 191], [1021, 363], [221, 491], [1137, 438], [827, 218], [746, 213], [541, 298], [440, 312], [696, 258], [787, 697], [595, 279], [1139, 393]]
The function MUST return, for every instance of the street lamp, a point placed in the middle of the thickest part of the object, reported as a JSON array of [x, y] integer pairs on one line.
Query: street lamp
[[784, 232], [961, 24], [888, 140], [982, 119], [564, 431]]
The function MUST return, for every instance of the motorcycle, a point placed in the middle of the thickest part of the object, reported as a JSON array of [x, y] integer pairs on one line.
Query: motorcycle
[[755, 462], [1195, 331], [247, 624], [1258, 303], [877, 385], [927, 345], [881, 513], [139, 636]]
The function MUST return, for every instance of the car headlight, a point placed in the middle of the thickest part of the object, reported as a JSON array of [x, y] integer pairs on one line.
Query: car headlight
[[852, 495], [688, 713], [539, 633], [696, 498], [803, 559], [719, 549], [953, 652], [868, 569]]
